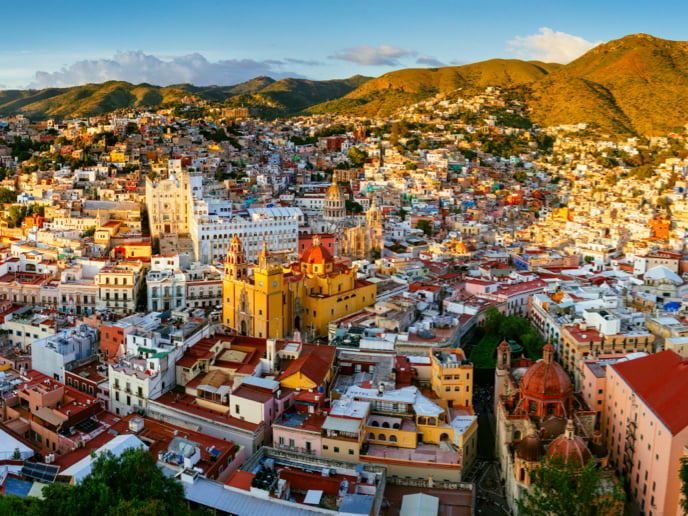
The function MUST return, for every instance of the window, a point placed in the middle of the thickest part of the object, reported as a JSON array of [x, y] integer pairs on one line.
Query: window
[[336, 449], [236, 409], [351, 452]]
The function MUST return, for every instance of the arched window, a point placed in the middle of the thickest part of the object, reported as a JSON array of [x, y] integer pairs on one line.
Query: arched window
[[517, 435], [392, 438], [381, 437], [374, 423], [371, 436], [385, 424]]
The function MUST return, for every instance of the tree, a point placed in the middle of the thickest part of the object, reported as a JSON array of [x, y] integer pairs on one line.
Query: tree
[[683, 474], [425, 226], [357, 156], [129, 484], [17, 214], [353, 207], [402, 213], [567, 489], [7, 196], [520, 176]]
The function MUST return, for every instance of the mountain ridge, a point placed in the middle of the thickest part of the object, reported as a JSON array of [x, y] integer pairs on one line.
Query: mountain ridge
[[637, 84]]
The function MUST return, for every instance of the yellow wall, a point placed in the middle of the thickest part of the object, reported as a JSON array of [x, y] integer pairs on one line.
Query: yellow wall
[[349, 449], [117, 157], [405, 439], [270, 302], [452, 383]]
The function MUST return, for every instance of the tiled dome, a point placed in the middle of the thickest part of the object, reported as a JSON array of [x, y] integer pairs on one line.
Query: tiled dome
[[530, 448], [570, 448], [546, 379]]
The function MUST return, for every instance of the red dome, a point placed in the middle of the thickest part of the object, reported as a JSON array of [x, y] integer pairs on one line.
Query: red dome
[[570, 448], [546, 379], [316, 254]]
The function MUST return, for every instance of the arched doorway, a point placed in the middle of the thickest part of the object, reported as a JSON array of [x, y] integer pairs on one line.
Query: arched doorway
[[297, 322], [243, 328], [444, 437]]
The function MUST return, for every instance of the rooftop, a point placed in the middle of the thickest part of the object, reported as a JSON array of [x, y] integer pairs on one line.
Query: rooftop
[[664, 390]]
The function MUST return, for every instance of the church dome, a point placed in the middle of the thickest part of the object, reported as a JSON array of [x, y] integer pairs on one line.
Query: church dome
[[530, 448], [570, 448], [316, 254], [546, 379]]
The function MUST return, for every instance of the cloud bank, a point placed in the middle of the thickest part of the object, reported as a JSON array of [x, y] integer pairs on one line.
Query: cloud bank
[[384, 55], [137, 67], [550, 46], [429, 61]]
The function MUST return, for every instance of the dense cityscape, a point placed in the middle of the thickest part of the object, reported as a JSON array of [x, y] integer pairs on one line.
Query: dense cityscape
[[448, 309]]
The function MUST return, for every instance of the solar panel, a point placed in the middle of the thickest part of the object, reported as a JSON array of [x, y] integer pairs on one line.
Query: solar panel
[[87, 426], [41, 472]]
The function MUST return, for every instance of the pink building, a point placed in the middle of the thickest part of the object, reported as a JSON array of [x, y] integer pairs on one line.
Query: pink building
[[645, 423]]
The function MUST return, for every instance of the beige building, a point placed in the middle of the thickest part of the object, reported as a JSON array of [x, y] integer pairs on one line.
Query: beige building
[[118, 287], [170, 205], [646, 428]]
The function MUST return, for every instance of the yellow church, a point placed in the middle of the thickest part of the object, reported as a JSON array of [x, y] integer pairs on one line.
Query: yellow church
[[304, 296]]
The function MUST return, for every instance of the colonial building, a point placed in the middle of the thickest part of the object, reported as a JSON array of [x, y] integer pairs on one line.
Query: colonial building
[[645, 425], [277, 300], [212, 233], [539, 416], [363, 242], [169, 203]]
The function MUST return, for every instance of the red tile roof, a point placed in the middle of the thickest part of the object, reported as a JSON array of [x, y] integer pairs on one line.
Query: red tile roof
[[661, 381], [310, 365]]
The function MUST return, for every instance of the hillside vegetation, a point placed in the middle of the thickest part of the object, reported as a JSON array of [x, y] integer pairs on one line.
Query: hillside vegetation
[[634, 85]]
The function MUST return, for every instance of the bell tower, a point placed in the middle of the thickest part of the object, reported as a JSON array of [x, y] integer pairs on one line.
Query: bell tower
[[270, 296], [235, 265]]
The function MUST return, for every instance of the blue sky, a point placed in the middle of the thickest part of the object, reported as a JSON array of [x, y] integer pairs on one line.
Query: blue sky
[[47, 43]]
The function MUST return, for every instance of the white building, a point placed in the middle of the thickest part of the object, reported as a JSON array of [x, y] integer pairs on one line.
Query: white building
[[53, 354], [279, 227]]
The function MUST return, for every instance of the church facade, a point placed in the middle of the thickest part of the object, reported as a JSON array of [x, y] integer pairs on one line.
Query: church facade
[[272, 301]]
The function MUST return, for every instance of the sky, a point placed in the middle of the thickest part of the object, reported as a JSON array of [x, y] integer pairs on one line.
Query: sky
[[44, 43]]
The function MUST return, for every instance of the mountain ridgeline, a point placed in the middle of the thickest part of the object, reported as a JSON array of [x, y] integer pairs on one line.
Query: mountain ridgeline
[[634, 85]]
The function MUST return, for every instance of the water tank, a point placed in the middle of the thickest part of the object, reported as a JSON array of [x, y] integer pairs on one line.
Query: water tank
[[136, 424]]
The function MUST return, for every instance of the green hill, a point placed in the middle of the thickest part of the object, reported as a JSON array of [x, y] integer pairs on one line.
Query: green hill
[[291, 96], [267, 96], [87, 100]]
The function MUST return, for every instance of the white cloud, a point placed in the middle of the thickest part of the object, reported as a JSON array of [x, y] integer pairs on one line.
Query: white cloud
[[550, 46], [137, 67], [384, 55]]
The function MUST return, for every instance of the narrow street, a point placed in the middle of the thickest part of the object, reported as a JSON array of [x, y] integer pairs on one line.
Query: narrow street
[[490, 499]]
